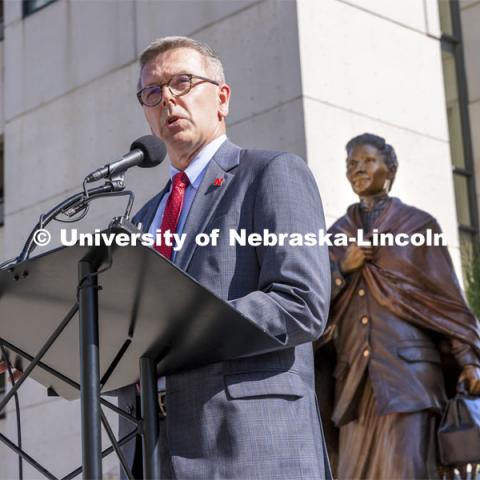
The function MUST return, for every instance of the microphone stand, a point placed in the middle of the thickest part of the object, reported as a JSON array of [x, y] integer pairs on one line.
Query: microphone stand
[[114, 186], [87, 307]]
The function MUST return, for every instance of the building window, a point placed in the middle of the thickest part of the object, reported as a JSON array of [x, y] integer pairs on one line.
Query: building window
[[31, 6], [458, 123]]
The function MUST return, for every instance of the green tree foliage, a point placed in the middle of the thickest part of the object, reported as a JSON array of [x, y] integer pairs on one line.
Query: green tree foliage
[[471, 265]]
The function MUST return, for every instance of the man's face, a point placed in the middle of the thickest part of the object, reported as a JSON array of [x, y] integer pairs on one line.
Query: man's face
[[366, 170], [188, 122]]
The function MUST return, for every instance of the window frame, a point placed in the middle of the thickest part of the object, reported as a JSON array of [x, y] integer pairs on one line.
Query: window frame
[[453, 45], [28, 10]]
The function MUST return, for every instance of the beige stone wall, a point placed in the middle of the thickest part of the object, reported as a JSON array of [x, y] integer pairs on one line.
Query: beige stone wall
[[375, 66]]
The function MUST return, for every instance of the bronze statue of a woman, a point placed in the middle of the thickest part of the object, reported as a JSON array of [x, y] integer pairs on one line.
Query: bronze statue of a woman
[[397, 313]]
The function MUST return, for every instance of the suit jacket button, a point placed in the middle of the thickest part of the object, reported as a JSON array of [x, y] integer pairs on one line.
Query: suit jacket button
[[361, 292], [338, 282], [364, 320], [366, 353]]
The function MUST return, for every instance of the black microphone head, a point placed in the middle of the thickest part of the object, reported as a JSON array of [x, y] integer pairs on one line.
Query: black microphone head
[[154, 150]]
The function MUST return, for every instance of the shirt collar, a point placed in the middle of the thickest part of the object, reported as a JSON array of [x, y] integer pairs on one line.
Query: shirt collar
[[200, 162], [379, 202]]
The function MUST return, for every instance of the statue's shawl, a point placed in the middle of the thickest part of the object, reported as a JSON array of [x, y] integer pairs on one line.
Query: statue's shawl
[[417, 284]]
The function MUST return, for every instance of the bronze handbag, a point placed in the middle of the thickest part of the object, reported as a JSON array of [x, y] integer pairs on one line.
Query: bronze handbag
[[459, 430]]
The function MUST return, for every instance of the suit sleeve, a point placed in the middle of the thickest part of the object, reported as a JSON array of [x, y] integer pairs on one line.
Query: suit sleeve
[[293, 294]]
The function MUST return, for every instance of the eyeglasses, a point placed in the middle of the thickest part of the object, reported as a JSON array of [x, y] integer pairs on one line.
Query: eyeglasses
[[178, 85]]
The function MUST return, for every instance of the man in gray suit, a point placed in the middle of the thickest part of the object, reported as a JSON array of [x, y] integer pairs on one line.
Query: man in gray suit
[[253, 417]]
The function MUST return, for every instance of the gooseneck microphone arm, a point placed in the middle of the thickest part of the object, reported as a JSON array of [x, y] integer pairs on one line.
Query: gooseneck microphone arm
[[62, 207], [146, 152]]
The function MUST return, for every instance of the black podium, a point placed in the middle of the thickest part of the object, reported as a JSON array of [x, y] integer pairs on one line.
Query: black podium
[[139, 317]]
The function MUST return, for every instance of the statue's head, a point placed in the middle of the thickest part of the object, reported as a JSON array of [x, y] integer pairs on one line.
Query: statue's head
[[371, 165]]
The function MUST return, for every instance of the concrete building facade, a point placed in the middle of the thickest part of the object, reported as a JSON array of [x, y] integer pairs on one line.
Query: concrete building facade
[[306, 76], [470, 38]]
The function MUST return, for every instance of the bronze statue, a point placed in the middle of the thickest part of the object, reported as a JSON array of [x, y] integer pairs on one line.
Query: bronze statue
[[399, 330]]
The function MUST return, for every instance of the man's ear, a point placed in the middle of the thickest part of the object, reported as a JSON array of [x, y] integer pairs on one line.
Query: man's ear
[[223, 101]]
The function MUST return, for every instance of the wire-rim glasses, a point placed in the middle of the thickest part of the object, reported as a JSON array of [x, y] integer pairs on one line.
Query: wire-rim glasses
[[179, 85]]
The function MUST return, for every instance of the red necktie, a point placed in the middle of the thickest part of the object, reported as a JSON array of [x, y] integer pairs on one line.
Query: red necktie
[[172, 211]]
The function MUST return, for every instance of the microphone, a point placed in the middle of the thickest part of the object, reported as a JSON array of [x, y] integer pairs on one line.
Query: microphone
[[145, 152]]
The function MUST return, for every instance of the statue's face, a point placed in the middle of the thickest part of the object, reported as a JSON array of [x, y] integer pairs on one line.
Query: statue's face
[[366, 171]]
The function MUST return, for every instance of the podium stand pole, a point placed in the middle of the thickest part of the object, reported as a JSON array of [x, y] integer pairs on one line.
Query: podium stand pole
[[149, 402], [89, 371]]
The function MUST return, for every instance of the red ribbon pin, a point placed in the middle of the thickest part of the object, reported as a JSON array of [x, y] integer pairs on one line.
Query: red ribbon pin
[[218, 182]]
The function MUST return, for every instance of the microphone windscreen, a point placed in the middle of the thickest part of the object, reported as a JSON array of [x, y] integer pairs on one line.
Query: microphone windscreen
[[154, 150]]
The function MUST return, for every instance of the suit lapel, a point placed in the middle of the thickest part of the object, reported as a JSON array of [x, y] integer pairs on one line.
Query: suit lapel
[[150, 215], [207, 198]]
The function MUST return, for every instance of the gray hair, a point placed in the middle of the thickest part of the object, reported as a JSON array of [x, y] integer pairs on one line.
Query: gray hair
[[160, 45]]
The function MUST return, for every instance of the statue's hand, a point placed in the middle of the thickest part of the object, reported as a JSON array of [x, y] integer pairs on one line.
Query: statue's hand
[[355, 257], [471, 376]]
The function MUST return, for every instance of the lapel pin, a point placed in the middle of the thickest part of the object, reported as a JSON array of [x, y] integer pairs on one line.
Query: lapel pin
[[218, 182]]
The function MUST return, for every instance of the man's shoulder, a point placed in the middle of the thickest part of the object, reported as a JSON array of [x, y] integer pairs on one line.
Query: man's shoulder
[[230, 156], [266, 155], [259, 158]]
